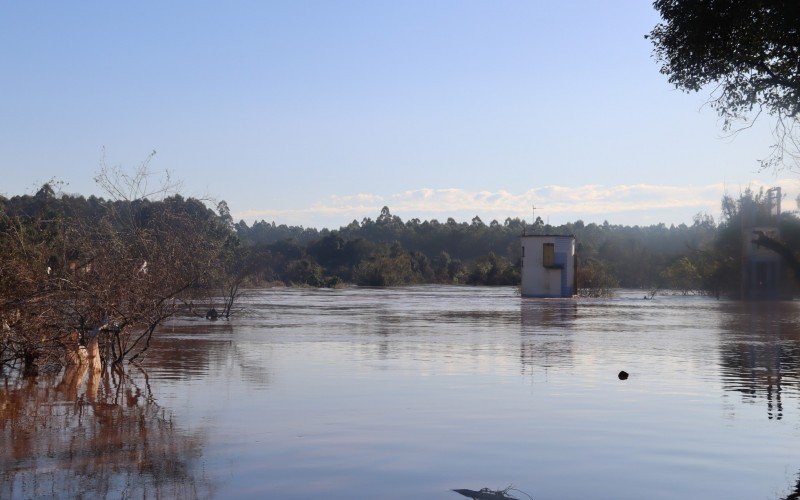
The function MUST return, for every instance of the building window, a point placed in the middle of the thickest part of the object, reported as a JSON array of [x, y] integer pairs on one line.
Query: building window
[[548, 254]]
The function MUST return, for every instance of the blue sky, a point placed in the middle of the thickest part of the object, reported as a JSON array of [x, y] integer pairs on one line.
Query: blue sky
[[318, 113]]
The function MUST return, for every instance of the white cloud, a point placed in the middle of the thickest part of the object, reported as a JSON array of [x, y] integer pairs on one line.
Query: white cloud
[[625, 203]]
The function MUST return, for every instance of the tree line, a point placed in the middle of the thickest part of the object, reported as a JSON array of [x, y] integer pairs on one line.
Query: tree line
[[93, 278], [701, 257]]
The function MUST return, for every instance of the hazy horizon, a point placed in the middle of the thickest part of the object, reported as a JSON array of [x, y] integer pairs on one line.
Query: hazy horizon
[[629, 205]]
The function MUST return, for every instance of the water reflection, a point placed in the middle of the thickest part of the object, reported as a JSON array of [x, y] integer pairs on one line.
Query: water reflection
[[546, 338], [68, 435], [406, 393], [543, 314], [795, 494], [190, 350], [760, 353]]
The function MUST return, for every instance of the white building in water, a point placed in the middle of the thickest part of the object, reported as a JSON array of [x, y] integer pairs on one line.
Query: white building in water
[[548, 266]]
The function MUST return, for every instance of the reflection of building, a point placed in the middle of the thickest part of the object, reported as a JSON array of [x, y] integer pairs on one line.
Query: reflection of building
[[548, 266], [761, 267], [758, 373], [760, 353], [541, 315], [547, 329]]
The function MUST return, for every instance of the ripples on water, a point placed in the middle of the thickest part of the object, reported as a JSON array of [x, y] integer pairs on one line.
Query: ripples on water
[[410, 392]]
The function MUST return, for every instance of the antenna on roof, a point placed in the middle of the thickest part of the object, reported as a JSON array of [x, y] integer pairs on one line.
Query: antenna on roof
[[533, 215]]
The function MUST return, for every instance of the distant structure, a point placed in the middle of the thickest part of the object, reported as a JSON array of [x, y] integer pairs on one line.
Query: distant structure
[[762, 268], [548, 266]]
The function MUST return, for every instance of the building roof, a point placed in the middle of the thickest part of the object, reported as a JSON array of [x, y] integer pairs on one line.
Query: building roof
[[547, 236]]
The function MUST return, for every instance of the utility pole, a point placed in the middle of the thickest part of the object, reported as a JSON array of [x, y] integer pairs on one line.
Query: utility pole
[[533, 214]]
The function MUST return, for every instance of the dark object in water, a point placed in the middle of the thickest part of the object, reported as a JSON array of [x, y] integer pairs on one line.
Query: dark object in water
[[212, 314], [623, 375], [486, 494]]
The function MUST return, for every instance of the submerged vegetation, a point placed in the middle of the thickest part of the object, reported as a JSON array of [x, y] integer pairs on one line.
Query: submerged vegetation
[[89, 280]]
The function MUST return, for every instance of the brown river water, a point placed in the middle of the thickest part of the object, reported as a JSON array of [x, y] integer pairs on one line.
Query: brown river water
[[412, 392]]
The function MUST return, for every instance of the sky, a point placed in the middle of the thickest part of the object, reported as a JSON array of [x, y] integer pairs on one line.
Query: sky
[[320, 113]]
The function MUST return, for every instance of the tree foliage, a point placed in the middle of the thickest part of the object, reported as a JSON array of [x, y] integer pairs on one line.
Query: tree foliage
[[389, 250], [748, 51]]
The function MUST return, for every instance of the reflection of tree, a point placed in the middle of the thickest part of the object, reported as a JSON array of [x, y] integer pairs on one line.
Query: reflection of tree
[[188, 349], [97, 437], [760, 352], [251, 366], [546, 332], [191, 349], [795, 494]]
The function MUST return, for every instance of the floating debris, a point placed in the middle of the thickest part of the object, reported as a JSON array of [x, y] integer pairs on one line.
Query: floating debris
[[623, 375], [487, 494]]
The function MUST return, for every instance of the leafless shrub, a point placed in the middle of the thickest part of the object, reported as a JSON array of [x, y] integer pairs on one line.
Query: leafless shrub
[[103, 279]]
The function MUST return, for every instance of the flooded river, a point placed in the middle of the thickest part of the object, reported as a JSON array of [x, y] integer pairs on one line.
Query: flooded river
[[412, 392]]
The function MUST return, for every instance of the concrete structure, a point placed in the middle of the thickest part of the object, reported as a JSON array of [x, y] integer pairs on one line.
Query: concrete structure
[[762, 268], [548, 266]]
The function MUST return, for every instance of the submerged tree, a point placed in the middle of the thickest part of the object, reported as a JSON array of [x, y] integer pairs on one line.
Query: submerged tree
[[95, 278], [682, 275], [594, 279]]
